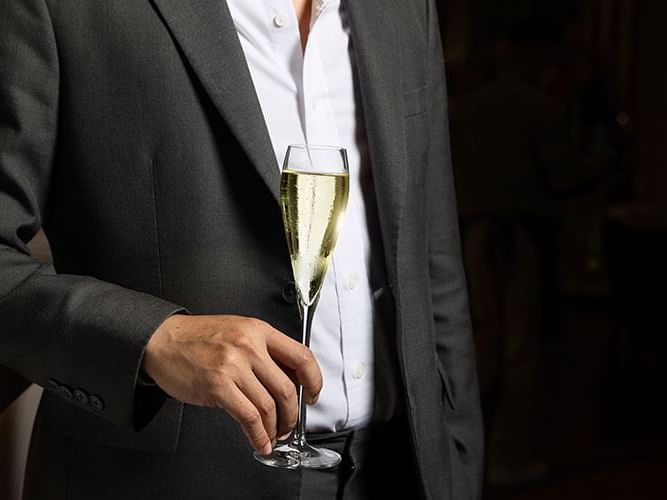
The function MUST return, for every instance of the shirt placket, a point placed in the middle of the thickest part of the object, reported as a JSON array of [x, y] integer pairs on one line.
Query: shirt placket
[[349, 281], [283, 31], [342, 329]]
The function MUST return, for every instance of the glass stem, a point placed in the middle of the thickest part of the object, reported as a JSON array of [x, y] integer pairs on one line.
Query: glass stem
[[299, 436]]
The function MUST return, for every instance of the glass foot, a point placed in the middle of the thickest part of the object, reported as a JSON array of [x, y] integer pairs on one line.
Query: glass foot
[[295, 455]]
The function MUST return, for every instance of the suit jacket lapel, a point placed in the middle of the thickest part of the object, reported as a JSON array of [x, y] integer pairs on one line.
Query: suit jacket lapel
[[204, 31], [377, 53]]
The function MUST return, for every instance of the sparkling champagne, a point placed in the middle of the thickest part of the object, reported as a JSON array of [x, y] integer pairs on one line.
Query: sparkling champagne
[[313, 196], [312, 205]]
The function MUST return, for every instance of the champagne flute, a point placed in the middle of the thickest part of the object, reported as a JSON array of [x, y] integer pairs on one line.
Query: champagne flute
[[313, 196]]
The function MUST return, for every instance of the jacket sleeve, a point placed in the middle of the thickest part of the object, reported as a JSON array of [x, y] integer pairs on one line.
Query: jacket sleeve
[[454, 341], [74, 335]]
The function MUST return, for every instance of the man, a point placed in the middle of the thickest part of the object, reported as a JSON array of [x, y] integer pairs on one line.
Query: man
[[145, 137]]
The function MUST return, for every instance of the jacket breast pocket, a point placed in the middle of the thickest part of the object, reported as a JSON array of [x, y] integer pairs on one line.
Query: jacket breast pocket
[[57, 416]]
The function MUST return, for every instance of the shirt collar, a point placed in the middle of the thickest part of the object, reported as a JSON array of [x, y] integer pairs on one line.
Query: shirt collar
[[320, 5]]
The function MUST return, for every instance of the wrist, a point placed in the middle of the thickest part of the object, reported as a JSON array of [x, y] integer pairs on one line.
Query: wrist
[[155, 344]]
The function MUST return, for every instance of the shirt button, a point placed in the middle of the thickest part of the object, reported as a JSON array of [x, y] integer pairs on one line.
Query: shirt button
[[288, 292], [359, 371], [280, 21], [352, 281]]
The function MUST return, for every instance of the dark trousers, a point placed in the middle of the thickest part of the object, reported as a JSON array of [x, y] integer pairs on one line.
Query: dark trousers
[[377, 463]]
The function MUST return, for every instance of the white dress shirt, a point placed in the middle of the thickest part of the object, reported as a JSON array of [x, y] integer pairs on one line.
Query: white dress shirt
[[309, 97]]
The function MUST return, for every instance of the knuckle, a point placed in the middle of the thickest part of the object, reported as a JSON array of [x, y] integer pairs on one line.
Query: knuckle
[[287, 391], [226, 356], [229, 368], [305, 355], [267, 406], [256, 325], [241, 340], [214, 380], [246, 343], [251, 419], [292, 412], [292, 417]]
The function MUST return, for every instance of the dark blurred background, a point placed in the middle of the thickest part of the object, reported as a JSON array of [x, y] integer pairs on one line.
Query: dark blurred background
[[559, 142]]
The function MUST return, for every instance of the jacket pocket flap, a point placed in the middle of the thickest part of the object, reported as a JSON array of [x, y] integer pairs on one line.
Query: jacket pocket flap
[[446, 387], [414, 101]]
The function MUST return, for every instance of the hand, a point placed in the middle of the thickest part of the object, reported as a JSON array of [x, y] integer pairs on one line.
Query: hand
[[239, 364]]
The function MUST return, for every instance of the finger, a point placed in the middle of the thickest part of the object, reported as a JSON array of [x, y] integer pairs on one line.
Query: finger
[[263, 401], [241, 409], [283, 391], [299, 358]]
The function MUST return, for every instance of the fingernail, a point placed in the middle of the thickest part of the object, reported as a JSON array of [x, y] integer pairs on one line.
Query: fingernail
[[267, 450], [284, 436]]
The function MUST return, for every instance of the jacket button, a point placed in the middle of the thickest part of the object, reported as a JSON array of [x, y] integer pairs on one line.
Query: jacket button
[[289, 293], [65, 392], [80, 396], [95, 402]]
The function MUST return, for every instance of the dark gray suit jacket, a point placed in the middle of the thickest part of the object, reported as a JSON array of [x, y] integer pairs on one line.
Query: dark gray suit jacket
[[130, 131]]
